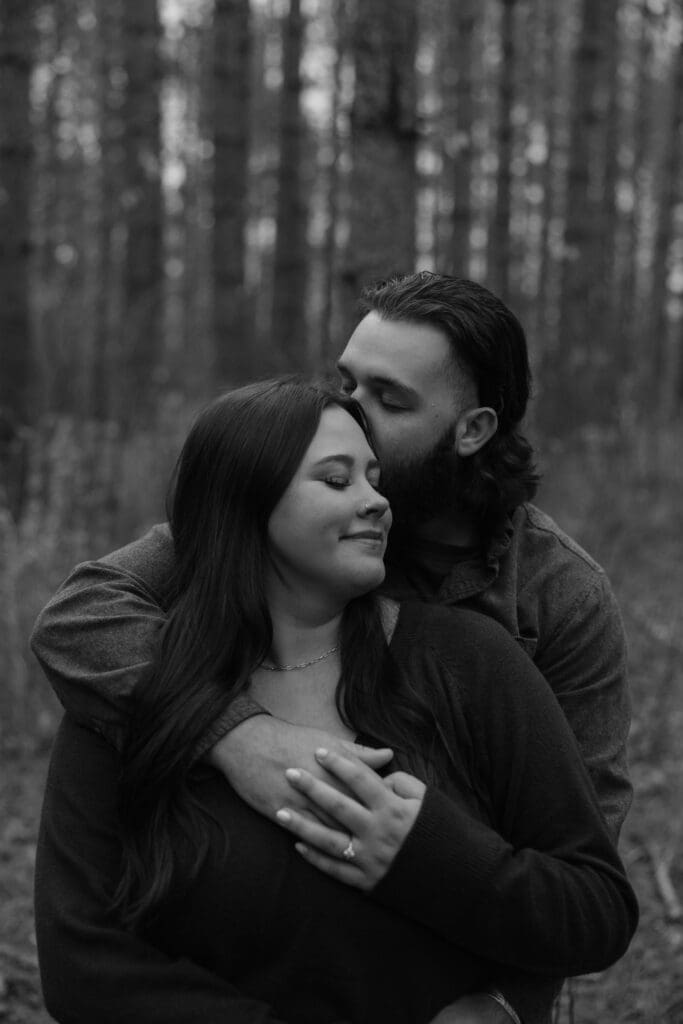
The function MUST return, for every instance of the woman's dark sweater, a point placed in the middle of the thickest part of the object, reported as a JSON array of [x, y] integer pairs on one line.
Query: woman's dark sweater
[[509, 864]]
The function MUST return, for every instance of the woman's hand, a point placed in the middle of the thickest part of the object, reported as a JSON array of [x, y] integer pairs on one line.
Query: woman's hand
[[376, 818]]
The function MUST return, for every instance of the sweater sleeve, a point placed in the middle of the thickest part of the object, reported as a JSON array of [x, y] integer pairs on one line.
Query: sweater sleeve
[[544, 891], [96, 638], [91, 968]]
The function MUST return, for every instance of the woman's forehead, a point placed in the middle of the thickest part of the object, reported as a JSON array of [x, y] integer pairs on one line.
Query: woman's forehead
[[338, 433]]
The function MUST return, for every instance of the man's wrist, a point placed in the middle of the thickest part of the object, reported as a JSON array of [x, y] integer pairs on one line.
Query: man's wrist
[[238, 711], [499, 998]]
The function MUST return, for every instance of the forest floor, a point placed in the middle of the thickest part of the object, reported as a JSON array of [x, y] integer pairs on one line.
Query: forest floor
[[646, 986]]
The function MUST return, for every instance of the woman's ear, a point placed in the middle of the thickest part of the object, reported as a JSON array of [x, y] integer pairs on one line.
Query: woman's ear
[[474, 428]]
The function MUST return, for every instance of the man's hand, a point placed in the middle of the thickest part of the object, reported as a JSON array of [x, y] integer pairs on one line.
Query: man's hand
[[477, 1008], [255, 754]]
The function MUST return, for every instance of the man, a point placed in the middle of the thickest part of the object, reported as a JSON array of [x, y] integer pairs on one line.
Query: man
[[440, 366]]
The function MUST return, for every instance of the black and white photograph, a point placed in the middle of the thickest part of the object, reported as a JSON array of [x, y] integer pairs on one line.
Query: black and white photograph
[[341, 511]]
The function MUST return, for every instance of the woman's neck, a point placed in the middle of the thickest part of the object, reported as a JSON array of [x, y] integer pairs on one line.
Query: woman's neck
[[302, 630]]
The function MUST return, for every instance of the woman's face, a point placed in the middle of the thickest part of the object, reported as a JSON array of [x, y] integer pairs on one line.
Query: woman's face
[[328, 532]]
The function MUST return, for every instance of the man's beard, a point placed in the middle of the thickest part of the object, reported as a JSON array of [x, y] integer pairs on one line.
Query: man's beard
[[425, 487]]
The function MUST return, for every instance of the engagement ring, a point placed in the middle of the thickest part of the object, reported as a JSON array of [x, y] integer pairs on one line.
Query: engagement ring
[[349, 853]]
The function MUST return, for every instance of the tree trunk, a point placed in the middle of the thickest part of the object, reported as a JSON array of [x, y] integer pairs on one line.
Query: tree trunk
[[581, 366], [667, 307], [545, 114], [383, 145], [288, 327], [103, 333], [499, 240], [16, 161], [142, 200], [629, 292], [233, 338], [462, 24], [329, 248]]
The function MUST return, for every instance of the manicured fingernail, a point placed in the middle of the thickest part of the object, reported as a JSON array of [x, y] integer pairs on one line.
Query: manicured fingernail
[[294, 774], [283, 815], [321, 752]]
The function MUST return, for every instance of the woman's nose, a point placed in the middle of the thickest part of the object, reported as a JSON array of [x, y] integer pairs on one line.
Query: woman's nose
[[375, 507]]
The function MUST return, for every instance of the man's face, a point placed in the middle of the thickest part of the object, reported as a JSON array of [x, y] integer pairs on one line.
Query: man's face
[[404, 376]]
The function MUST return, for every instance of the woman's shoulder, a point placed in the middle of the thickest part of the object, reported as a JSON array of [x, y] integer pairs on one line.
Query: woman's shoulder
[[450, 628], [473, 650]]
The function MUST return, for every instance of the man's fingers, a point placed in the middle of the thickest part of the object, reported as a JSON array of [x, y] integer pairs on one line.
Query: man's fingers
[[371, 756], [359, 778], [343, 809]]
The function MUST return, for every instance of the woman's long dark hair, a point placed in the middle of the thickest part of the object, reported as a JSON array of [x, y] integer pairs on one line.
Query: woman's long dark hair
[[237, 462]]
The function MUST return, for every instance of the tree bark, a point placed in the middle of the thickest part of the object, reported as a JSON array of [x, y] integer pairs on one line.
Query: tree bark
[[140, 347], [233, 338], [383, 145], [16, 162]]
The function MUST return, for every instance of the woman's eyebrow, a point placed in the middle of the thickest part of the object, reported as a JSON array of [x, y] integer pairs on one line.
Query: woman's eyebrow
[[346, 460]]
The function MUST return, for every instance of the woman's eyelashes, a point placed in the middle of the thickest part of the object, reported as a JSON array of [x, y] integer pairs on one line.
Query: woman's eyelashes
[[339, 482]]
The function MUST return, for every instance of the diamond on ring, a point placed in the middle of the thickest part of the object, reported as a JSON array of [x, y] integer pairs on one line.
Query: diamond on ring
[[349, 853]]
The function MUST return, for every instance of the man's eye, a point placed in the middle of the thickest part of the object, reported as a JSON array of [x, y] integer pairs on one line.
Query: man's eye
[[390, 403], [347, 386]]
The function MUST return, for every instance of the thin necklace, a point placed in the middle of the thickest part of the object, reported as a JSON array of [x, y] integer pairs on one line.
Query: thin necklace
[[304, 664]]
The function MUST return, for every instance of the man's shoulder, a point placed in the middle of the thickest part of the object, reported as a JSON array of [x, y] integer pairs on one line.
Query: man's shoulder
[[145, 564], [148, 550], [540, 544]]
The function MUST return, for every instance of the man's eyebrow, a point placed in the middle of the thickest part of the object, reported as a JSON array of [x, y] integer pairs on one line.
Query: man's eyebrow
[[378, 381]]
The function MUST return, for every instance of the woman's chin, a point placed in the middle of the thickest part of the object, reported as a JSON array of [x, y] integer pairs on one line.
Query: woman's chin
[[366, 579]]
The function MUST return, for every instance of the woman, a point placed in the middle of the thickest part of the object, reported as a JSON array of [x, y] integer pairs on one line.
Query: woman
[[484, 847]]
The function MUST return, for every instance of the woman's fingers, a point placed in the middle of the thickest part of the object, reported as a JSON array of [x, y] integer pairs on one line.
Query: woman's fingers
[[359, 779], [326, 840], [371, 829], [343, 809], [339, 869], [405, 785]]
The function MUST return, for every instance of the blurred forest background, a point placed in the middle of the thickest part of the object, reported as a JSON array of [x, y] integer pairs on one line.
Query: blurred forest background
[[192, 193]]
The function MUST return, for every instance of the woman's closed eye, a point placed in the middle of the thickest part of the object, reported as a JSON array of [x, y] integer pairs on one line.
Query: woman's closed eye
[[338, 482]]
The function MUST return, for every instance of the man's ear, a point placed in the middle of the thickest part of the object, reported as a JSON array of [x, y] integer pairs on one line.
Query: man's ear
[[474, 428]]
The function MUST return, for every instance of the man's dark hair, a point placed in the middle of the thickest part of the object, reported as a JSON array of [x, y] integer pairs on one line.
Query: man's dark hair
[[489, 344]]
